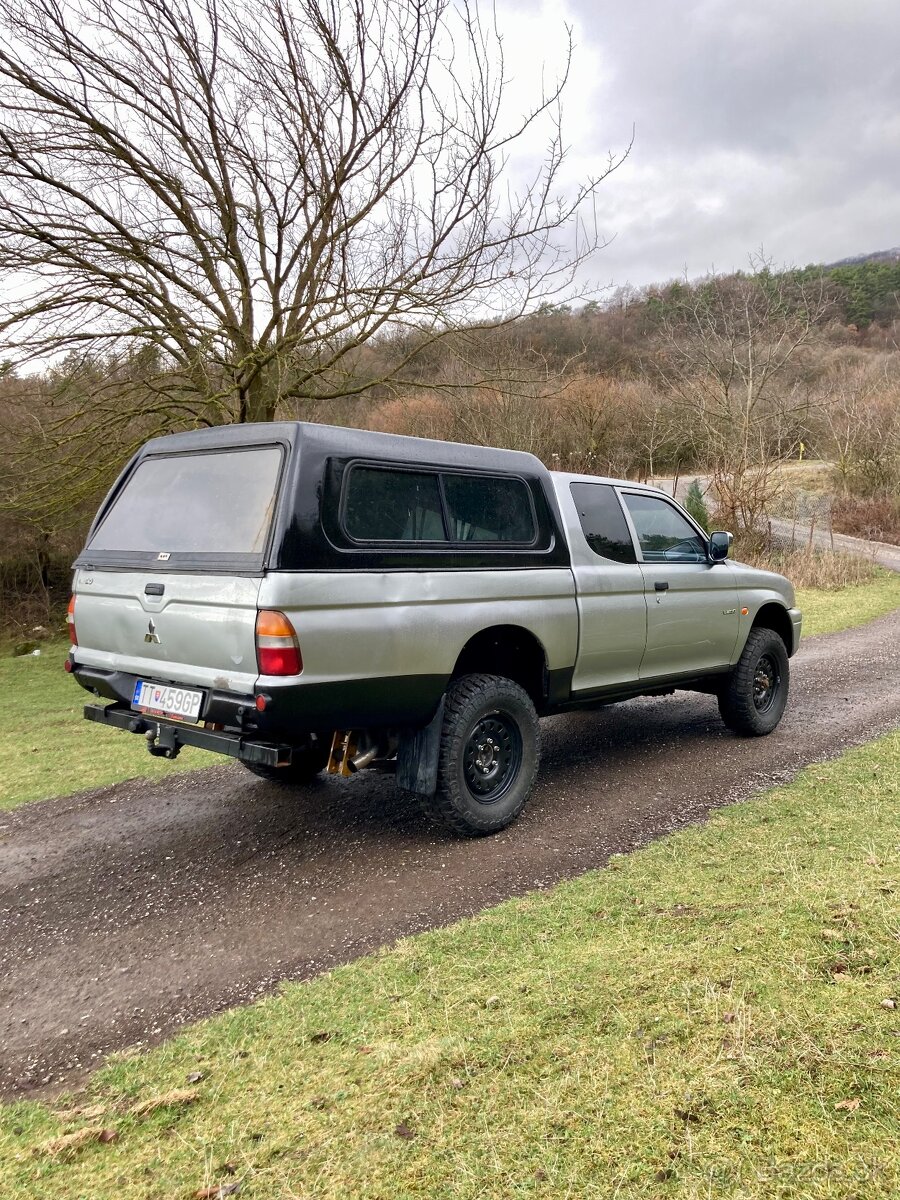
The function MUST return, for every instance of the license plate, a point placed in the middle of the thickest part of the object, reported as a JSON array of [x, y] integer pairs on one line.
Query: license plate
[[181, 704]]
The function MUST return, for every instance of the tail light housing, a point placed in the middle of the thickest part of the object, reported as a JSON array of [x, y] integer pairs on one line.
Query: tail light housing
[[277, 648], [70, 621]]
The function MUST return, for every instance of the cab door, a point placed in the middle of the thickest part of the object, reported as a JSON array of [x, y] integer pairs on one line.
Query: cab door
[[692, 604], [609, 585]]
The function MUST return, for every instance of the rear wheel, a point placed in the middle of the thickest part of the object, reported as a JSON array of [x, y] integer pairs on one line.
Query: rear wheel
[[490, 748], [306, 763], [753, 700]]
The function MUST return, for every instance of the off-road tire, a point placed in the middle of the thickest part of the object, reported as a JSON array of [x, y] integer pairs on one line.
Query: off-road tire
[[753, 700], [490, 740], [306, 764]]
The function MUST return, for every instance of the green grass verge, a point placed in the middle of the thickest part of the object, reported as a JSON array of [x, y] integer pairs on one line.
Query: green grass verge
[[48, 749], [705, 1018], [845, 608]]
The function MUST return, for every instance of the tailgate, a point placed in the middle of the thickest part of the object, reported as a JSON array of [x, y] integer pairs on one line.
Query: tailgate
[[183, 628]]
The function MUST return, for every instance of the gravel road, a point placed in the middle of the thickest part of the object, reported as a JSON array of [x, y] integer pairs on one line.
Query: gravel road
[[126, 912]]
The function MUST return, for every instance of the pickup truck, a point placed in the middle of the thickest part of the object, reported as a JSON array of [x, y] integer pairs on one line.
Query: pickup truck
[[308, 598]]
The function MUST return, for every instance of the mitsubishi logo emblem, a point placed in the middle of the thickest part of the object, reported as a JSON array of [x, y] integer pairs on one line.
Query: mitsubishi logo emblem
[[151, 635]]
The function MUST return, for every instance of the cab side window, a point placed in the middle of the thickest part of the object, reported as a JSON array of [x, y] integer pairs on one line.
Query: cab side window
[[663, 533], [603, 521]]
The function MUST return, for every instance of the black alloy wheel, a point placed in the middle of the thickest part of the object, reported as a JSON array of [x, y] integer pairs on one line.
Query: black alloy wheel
[[492, 757], [766, 682]]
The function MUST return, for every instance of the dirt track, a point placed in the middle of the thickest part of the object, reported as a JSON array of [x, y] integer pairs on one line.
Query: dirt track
[[126, 912]]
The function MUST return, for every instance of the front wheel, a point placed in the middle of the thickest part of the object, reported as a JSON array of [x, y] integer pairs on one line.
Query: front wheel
[[489, 754], [753, 700]]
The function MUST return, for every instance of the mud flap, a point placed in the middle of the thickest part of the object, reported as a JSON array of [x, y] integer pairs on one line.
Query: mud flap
[[418, 755]]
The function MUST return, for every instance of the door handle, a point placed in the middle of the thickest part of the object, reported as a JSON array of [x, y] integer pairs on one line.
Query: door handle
[[661, 585]]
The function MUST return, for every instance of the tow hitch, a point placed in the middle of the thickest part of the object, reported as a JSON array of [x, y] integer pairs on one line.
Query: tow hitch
[[165, 739], [161, 742]]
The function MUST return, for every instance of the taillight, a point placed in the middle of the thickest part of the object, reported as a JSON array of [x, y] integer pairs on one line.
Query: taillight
[[70, 621], [277, 649]]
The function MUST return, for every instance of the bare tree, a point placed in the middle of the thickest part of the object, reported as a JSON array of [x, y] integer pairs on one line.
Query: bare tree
[[731, 347], [607, 425], [252, 191], [861, 417]]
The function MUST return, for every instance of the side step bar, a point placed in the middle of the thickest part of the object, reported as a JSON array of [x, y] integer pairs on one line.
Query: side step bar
[[166, 738]]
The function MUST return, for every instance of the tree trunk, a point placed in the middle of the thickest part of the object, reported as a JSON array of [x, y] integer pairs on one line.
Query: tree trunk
[[257, 402]]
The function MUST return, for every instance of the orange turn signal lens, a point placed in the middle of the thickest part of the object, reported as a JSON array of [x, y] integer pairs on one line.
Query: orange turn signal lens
[[70, 621], [270, 623], [277, 649]]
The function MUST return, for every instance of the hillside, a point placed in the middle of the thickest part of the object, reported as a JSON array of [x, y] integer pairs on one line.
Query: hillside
[[875, 256]]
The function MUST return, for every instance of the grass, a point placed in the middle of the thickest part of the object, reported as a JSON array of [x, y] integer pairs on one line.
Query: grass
[[705, 1018], [812, 475], [47, 749], [828, 611]]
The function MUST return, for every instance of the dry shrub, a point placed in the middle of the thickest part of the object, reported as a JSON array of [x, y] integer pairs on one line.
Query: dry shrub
[[610, 426], [35, 577], [415, 416], [481, 416], [875, 518], [806, 567], [595, 424]]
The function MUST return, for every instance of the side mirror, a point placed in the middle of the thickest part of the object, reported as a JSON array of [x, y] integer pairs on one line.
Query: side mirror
[[719, 545]]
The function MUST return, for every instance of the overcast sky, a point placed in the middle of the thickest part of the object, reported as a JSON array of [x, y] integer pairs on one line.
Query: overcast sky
[[772, 123]]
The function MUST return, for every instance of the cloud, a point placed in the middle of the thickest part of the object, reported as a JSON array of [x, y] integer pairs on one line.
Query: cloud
[[770, 123]]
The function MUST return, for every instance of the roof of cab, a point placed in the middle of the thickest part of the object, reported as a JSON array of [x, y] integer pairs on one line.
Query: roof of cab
[[565, 477]]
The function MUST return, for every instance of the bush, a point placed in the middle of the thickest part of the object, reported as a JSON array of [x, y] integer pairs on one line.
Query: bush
[[806, 567], [876, 518], [696, 505]]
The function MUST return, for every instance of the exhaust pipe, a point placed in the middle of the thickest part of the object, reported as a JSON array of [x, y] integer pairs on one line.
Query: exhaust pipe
[[362, 760]]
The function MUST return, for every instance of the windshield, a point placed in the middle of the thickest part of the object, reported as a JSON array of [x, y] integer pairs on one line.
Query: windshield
[[213, 503]]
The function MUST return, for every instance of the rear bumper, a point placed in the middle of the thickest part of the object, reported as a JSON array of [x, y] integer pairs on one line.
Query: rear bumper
[[294, 707], [172, 736], [221, 708]]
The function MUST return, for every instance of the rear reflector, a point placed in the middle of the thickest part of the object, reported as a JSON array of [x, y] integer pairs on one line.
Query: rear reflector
[[277, 649], [70, 621]]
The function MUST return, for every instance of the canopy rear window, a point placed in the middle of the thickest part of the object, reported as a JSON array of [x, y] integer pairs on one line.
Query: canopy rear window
[[215, 505]]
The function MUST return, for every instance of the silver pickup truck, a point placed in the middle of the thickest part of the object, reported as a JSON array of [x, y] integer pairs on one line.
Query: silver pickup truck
[[308, 598]]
